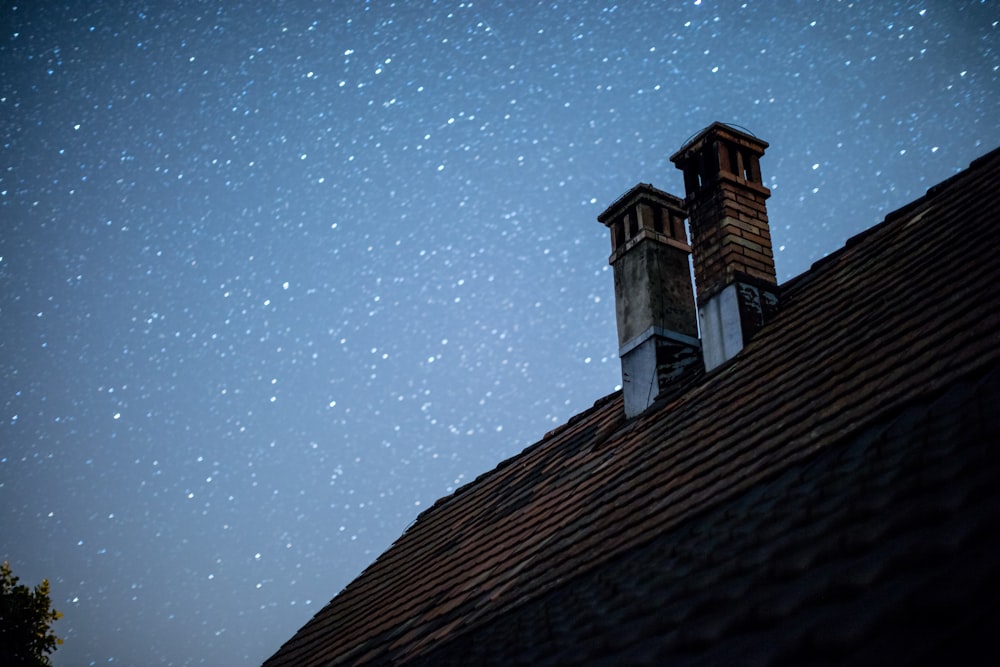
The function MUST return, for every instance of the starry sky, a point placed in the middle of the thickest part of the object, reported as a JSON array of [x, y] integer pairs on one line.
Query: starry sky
[[276, 276]]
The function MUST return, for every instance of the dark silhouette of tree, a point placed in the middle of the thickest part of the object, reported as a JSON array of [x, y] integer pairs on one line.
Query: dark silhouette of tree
[[26, 616]]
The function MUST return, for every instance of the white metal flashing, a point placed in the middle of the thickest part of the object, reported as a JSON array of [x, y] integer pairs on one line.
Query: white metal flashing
[[721, 332], [662, 333]]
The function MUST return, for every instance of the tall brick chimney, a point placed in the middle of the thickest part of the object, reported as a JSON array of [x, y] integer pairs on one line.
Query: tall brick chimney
[[733, 260], [654, 304]]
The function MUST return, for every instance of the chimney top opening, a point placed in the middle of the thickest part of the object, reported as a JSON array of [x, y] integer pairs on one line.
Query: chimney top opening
[[633, 224], [617, 234]]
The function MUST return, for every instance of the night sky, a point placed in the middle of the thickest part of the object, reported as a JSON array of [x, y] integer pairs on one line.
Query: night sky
[[276, 276]]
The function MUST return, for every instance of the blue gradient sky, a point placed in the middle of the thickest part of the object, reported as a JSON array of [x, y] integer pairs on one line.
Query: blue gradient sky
[[276, 276]]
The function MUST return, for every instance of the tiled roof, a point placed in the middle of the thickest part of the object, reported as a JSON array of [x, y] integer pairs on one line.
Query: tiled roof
[[832, 493]]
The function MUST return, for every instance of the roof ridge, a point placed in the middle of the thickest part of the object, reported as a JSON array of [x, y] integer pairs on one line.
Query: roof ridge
[[503, 464], [934, 191], [425, 516]]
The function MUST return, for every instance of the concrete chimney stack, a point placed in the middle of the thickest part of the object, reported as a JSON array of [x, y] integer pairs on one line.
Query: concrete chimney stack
[[654, 302]]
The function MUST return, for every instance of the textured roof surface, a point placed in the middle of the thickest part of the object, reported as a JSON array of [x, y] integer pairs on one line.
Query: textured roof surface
[[831, 494]]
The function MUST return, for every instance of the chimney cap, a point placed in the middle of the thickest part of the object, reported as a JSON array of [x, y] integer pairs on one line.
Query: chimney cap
[[733, 133], [641, 193]]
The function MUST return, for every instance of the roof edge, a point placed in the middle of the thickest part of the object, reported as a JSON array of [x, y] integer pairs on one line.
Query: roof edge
[[931, 193]]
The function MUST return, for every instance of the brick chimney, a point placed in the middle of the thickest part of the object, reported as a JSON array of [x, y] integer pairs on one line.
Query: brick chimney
[[733, 260], [654, 304]]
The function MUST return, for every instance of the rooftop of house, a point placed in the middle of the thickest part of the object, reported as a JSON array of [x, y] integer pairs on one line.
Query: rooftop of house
[[828, 494]]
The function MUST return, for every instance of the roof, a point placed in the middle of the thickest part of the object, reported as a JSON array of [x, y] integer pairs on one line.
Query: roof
[[828, 494]]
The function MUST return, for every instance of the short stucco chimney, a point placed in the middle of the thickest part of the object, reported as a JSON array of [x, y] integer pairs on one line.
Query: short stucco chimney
[[733, 260], [654, 303]]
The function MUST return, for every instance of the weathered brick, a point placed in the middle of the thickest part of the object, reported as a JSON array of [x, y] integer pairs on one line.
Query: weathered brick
[[739, 224], [759, 264], [740, 241], [767, 276], [757, 238]]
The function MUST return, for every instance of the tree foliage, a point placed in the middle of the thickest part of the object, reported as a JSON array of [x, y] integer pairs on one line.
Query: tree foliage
[[26, 617]]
